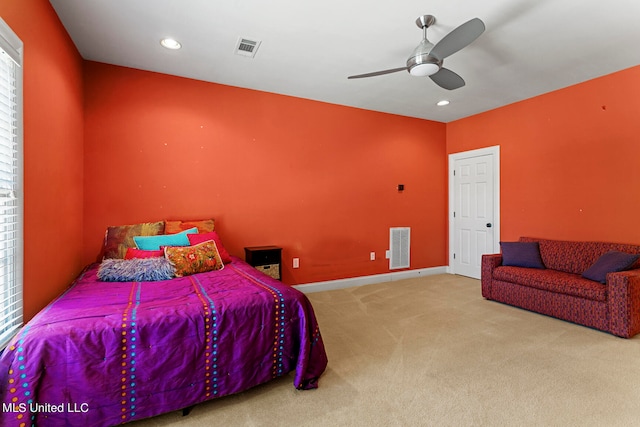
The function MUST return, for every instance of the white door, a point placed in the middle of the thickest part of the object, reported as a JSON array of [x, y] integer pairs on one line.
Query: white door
[[474, 217]]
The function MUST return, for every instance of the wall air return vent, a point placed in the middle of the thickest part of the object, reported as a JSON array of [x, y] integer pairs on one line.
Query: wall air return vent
[[399, 243], [247, 47]]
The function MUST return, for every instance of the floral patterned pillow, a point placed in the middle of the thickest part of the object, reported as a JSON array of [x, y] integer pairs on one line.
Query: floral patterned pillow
[[194, 239], [194, 259]]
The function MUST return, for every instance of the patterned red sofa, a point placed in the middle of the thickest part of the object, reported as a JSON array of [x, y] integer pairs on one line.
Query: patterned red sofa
[[559, 290]]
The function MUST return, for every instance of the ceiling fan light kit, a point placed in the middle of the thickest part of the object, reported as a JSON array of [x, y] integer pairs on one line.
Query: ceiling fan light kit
[[427, 58], [424, 69], [423, 65]]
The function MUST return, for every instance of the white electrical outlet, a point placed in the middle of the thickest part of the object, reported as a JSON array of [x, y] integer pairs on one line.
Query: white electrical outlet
[[387, 254], [296, 263], [372, 256]]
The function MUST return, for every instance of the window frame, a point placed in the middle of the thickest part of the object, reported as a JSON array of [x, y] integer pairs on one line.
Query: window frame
[[11, 45]]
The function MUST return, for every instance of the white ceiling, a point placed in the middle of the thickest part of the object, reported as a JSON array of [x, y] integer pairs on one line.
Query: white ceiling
[[309, 48]]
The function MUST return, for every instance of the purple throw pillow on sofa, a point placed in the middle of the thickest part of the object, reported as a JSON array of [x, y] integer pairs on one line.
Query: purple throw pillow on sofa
[[610, 262], [521, 254]]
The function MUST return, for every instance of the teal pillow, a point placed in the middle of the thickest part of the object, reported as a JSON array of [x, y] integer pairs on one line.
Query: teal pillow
[[153, 243]]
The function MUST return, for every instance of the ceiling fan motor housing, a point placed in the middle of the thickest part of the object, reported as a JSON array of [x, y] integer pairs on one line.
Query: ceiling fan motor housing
[[420, 63]]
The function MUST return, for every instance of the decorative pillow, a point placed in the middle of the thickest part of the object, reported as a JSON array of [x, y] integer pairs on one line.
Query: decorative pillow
[[140, 253], [203, 226], [135, 270], [610, 262], [194, 239], [153, 243], [194, 259], [521, 254], [118, 238]]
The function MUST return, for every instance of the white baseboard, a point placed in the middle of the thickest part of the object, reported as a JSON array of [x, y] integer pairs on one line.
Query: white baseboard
[[368, 280]]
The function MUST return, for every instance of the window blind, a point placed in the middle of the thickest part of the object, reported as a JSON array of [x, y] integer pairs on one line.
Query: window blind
[[10, 185]]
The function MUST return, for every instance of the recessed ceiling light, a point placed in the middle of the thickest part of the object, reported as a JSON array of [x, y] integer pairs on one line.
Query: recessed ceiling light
[[442, 103], [170, 43]]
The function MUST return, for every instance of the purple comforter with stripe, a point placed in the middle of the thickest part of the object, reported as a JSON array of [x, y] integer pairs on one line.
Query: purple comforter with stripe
[[105, 353]]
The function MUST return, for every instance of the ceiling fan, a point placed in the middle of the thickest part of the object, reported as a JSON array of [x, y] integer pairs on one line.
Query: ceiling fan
[[427, 59]]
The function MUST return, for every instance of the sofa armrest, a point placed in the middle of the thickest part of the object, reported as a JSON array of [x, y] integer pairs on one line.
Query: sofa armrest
[[623, 299], [489, 263]]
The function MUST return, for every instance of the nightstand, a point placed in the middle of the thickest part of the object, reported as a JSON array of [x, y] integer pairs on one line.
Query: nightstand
[[267, 259]]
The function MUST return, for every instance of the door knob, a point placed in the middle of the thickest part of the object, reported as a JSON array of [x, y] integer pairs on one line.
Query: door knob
[[488, 225]]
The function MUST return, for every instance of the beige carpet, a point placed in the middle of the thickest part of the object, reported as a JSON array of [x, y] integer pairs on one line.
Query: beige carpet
[[431, 351]]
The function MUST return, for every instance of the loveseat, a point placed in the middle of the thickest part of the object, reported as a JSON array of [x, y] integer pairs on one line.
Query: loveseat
[[557, 285]]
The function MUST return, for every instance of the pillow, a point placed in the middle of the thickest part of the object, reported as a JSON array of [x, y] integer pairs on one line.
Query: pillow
[[521, 254], [610, 262], [203, 226], [135, 270], [194, 259], [140, 253], [118, 238], [194, 239], [153, 243]]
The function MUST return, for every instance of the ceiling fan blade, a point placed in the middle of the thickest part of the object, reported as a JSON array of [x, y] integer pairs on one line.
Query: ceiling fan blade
[[447, 79], [378, 73], [458, 38]]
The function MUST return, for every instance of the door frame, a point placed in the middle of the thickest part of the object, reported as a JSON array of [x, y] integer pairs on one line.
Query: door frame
[[495, 151]]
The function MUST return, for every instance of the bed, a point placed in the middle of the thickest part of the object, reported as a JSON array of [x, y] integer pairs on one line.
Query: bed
[[106, 353]]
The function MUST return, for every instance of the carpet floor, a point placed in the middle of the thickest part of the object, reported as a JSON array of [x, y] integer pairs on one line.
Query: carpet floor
[[431, 351]]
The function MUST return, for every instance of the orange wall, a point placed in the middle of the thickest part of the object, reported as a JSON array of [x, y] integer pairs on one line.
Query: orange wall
[[317, 179], [53, 152], [570, 160]]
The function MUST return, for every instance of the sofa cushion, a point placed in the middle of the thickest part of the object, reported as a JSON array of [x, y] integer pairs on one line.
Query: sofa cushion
[[521, 254], [576, 257], [611, 262], [552, 280]]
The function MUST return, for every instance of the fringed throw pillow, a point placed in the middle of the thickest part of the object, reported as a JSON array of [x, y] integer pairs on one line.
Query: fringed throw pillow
[[135, 270]]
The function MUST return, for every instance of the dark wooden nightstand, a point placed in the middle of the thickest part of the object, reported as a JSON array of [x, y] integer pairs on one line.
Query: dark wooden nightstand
[[267, 259]]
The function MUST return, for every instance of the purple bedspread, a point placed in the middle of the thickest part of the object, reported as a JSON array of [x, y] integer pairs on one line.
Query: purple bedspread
[[105, 353]]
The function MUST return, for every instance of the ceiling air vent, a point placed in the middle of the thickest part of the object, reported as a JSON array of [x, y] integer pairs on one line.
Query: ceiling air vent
[[247, 47]]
